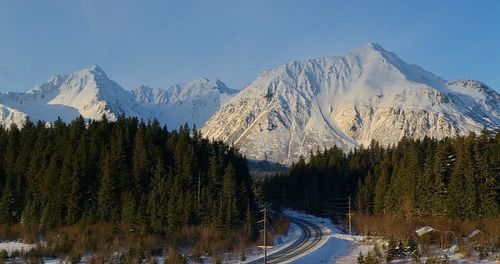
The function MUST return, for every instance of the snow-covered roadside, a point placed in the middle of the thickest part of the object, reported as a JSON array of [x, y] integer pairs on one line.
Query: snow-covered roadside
[[331, 246], [357, 244], [364, 245], [11, 247]]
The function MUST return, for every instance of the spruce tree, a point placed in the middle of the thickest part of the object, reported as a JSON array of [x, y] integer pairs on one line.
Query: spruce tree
[[229, 195], [75, 202], [487, 181], [456, 197], [380, 190], [360, 259], [443, 161], [52, 208], [470, 200], [158, 199], [251, 232], [108, 196], [7, 206]]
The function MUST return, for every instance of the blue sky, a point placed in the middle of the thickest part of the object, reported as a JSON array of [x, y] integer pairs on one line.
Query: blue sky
[[160, 43]]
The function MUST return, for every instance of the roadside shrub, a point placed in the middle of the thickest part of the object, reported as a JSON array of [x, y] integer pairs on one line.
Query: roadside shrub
[[4, 254], [174, 256], [361, 258], [391, 250], [377, 252], [372, 259], [448, 230]]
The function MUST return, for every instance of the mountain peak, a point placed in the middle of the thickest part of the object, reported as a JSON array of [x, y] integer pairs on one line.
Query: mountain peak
[[370, 94], [204, 85], [374, 46], [54, 82], [374, 50], [204, 79], [94, 70], [144, 87], [223, 88], [90, 93], [57, 79]]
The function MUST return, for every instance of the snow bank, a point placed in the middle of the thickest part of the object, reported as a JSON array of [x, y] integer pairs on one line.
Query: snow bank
[[424, 230], [12, 247]]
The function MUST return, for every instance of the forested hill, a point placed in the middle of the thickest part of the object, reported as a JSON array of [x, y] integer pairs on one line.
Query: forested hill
[[454, 177], [126, 171]]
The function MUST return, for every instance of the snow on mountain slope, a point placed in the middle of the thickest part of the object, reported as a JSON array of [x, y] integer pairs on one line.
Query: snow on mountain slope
[[94, 94], [34, 103], [480, 99], [87, 92], [10, 116], [369, 94], [193, 102], [90, 93]]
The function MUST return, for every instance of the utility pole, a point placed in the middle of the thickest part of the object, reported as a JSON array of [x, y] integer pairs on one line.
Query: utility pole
[[349, 215], [264, 223]]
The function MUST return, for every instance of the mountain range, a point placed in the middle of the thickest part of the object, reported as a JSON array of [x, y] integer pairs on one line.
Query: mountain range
[[287, 112], [90, 93], [369, 94]]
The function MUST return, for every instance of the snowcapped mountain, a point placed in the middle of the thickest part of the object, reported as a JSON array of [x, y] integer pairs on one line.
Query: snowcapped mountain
[[193, 102], [93, 94], [90, 93], [369, 94]]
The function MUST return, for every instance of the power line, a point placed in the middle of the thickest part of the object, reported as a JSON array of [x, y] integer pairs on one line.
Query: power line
[[264, 223], [332, 205], [273, 225]]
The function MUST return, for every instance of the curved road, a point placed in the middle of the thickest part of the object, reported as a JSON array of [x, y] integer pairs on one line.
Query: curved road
[[311, 236]]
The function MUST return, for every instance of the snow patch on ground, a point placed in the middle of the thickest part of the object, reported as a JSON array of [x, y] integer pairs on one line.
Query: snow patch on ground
[[359, 244], [364, 244], [11, 247], [424, 230]]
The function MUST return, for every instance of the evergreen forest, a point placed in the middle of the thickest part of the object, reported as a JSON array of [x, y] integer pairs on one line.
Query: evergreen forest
[[452, 177], [126, 172]]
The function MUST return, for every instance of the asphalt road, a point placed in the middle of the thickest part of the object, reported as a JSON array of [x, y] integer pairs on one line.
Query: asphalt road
[[311, 236]]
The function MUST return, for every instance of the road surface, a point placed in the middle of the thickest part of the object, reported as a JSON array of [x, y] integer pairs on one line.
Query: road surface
[[311, 236]]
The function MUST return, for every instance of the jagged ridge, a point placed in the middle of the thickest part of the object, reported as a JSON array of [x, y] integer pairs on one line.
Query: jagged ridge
[[369, 94], [90, 93]]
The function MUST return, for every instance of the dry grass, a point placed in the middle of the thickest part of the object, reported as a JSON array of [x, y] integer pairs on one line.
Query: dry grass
[[450, 230], [103, 239], [383, 225], [14, 232]]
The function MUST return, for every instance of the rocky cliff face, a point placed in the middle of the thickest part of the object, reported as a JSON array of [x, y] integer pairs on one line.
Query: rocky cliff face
[[369, 94]]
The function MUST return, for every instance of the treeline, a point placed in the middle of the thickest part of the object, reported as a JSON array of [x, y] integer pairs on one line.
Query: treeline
[[122, 172], [454, 177], [328, 176]]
